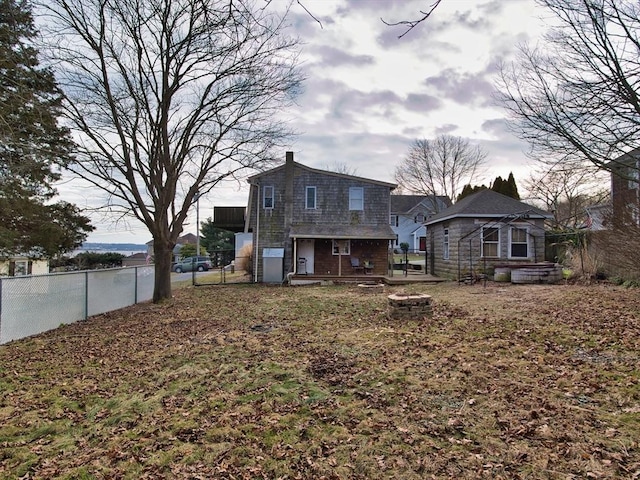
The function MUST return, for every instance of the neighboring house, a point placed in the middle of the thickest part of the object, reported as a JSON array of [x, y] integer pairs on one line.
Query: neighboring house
[[484, 230], [312, 221], [408, 214], [188, 238], [625, 189], [21, 265]]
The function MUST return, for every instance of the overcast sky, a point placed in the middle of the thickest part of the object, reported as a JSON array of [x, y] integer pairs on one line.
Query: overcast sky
[[369, 95]]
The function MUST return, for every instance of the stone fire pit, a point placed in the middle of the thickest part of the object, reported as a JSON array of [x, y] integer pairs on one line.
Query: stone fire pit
[[371, 287], [409, 307]]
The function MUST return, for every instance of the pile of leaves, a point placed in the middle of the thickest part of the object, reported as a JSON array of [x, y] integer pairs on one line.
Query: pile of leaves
[[257, 382]]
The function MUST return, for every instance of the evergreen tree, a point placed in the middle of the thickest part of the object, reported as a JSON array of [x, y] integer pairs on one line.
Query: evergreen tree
[[31, 144], [468, 190], [512, 187], [497, 185], [214, 238], [506, 187]]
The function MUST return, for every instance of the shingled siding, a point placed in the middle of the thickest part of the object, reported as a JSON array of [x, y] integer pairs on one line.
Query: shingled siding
[[269, 222], [332, 208], [470, 247], [332, 200]]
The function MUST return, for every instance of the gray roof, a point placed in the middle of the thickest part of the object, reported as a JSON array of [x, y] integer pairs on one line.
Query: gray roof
[[488, 204], [252, 178], [405, 203], [354, 232]]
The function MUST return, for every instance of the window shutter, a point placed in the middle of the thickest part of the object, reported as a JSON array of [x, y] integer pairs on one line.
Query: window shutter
[[12, 268]]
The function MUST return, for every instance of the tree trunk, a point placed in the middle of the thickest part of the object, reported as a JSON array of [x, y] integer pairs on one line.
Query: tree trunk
[[163, 258]]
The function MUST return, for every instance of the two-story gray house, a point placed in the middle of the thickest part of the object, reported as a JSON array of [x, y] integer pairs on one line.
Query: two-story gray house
[[317, 222], [408, 214]]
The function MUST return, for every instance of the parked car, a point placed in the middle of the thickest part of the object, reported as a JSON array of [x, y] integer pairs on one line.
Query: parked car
[[201, 264]]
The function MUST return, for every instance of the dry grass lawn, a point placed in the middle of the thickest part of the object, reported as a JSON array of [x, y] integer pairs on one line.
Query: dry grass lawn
[[251, 382]]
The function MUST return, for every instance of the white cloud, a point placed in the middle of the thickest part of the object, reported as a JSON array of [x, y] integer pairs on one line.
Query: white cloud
[[370, 94]]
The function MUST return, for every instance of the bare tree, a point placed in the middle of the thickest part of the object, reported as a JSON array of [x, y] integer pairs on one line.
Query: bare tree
[[341, 167], [440, 167], [575, 97], [169, 98], [567, 192]]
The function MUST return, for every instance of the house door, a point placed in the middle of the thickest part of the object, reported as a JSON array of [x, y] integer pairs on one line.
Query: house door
[[305, 250]]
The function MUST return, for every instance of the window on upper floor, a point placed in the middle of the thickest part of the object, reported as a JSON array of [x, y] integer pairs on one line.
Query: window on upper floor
[[393, 220], [310, 198], [268, 199], [418, 218], [356, 198], [490, 242]]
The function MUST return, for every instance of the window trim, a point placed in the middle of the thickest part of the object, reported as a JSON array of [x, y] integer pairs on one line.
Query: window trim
[[307, 190], [353, 199], [335, 245], [266, 188], [526, 242], [394, 220], [445, 244], [483, 242]]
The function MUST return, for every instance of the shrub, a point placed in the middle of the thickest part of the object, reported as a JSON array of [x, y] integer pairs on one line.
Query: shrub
[[245, 258]]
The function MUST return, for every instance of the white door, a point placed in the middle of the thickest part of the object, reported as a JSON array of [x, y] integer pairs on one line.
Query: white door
[[305, 250]]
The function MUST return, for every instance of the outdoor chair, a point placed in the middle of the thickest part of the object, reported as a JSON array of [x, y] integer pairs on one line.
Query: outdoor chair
[[355, 264]]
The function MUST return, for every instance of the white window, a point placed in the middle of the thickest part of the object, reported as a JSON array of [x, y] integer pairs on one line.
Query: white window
[[341, 247], [356, 198], [518, 242], [21, 268], [267, 197], [310, 198], [490, 242], [445, 245], [393, 220], [418, 218]]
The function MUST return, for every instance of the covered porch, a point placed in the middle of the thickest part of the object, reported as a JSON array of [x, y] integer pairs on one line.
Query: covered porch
[[357, 251]]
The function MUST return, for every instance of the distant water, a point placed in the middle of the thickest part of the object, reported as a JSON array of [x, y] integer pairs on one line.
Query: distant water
[[125, 249]]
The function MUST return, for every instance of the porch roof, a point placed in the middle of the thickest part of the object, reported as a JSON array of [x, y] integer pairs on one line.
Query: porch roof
[[353, 232]]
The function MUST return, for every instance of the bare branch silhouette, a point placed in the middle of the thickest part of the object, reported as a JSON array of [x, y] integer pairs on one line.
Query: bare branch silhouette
[[411, 24]]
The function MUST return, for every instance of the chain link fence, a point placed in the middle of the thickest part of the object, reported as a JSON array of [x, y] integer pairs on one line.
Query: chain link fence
[[34, 304], [226, 267]]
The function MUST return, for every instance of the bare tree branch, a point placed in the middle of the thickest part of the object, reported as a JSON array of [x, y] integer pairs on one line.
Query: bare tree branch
[[411, 24], [169, 99], [440, 167], [575, 97]]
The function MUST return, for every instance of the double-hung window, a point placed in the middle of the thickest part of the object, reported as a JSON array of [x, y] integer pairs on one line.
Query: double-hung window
[[490, 242], [310, 198], [518, 244], [445, 245], [267, 197], [356, 198], [393, 220]]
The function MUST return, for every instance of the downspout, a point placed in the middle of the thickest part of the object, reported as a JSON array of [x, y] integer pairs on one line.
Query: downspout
[[295, 256], [255, 263]]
